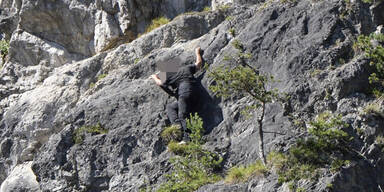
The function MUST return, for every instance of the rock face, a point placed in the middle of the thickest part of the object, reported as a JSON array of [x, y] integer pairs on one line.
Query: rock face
[[52, 85], [21, 178]]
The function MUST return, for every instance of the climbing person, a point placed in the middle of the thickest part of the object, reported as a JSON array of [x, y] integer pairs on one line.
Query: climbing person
[[186, 91]]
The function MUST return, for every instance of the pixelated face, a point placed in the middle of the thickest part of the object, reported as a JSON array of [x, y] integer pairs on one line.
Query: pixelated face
[[169, 65]]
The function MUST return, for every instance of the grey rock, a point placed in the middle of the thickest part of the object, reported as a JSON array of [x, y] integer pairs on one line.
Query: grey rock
[[21, 179], [42, 107]]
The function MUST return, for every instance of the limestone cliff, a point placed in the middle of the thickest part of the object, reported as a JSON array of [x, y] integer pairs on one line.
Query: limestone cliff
[[51, 86]]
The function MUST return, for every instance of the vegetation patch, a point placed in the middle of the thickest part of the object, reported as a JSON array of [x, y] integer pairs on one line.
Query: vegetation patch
[[373, 109], [207, 9], [100, 77], [244, 80], [371, 1], [379, 141], [193, 166], [79, 134], [171, 133], [325, 147], [156, 23], [224, 7], [4, 47], [372, 46], [242, 173]]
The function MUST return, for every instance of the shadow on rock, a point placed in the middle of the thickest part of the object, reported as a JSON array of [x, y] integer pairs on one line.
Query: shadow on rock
[[208, 108]]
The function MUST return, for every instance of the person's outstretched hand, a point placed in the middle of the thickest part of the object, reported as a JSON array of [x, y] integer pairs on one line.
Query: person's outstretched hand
[[156, 79]]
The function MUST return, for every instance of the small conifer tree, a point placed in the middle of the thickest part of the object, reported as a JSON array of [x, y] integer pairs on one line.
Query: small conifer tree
[[241, 80]]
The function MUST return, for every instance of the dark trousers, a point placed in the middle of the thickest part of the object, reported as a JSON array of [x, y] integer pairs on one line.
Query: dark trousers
[[179, 110]]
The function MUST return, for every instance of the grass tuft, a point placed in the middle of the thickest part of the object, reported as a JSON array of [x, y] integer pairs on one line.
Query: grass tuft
[[171, 133], [79, 133], [244, 173], [156, 23]]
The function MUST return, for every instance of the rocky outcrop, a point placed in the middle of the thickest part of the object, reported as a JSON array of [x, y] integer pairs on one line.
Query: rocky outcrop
[[70, 31], [52, 85], [21, 178]]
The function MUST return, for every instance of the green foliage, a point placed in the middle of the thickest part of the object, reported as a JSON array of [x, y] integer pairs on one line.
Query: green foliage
[[289, 1], [79, 133], [277, 160], [373, 108], [375, 53], [183, 150], [243, 173], [300, 189], [171, 133], [207, 9], [371, 1], [315, 72], [100, 77], [241, 80], [224, 7], [136, 60], [323, 147], [359, 131], [232, 32], [338, 163], [195, 124], [229, 18], [4, 47], [193, 166], [156, 23], [92, 85], [379, 140], [237, 44]]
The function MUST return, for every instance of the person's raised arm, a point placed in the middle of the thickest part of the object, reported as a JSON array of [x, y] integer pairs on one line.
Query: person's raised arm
[[199, 61]]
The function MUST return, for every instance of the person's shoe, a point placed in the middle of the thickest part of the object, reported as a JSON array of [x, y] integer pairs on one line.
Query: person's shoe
[[182, 142]]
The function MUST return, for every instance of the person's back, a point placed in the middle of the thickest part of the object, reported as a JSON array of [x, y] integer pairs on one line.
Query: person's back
[[184, 80]]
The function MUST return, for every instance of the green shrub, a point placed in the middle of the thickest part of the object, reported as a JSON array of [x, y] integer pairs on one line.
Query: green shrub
[[289, 1], [4, 47], [92, 85], [207, 9], [229, 18], [244, 80], [156, 23], [79, 133], [232, 32], [224, 7], [379, 140], [375, 53], [184, 150], [195, 124], [337, 164], [323, 147], [193, 166], [101, 76], [171, 133], [300, 189], [372, 108], [277, 160], [359, 131], [371, 1], [243, 173]]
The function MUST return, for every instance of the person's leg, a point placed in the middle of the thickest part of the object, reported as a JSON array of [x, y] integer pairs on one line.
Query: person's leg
[[183, 113], [172, 112]]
